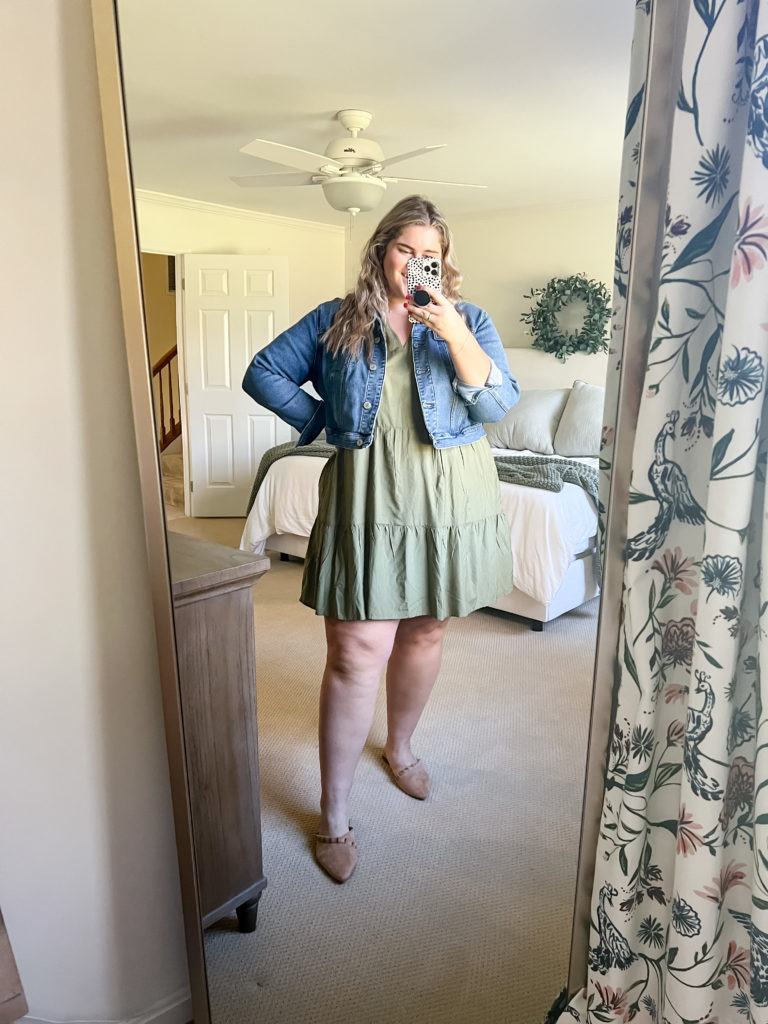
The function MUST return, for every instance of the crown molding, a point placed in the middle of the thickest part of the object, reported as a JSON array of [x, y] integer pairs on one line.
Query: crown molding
[[182, 202]]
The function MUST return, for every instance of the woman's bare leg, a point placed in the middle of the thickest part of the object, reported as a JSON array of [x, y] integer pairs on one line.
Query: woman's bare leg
[[357, 654], [411, 674]]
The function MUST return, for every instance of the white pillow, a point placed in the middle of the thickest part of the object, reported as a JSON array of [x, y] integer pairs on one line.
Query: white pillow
[[532, 423], [580, 426]]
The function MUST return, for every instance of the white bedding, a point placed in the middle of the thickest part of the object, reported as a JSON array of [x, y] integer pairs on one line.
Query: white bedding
[[548, 528]]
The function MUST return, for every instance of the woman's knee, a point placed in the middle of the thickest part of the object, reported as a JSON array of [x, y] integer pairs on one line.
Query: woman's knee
[[424, 631], [358, 648]]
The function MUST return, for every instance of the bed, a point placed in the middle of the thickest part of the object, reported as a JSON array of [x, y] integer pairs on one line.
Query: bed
[[553, 533]]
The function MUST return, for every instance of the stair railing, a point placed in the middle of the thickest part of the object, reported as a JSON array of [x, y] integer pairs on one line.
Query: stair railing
[[165, 384]]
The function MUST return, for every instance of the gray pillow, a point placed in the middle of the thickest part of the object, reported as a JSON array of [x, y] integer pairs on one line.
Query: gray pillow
[[580, 427], [531, 424]]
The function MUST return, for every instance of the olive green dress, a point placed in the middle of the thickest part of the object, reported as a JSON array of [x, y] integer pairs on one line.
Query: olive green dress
[[404, 528]]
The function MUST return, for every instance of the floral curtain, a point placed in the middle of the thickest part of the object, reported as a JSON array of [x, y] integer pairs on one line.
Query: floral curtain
[[679, 922]]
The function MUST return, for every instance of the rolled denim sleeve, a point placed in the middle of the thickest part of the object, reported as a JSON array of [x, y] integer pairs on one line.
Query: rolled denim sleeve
[[489, 402], [276, 373]]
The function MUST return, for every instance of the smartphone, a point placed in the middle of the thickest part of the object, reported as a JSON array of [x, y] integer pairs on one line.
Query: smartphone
[[422, 271]]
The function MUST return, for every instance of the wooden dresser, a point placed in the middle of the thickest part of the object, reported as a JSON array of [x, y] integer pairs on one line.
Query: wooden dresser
[[213, 610]]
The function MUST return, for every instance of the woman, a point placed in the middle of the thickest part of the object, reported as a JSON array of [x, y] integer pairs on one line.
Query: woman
[[409, 530]]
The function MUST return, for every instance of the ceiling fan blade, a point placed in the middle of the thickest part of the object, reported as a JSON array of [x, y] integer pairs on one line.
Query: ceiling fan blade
[[290, 156], [431, 181], [269, 180], [407, 156]]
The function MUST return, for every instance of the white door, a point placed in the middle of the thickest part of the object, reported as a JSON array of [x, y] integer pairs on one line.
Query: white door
[[231, 307]]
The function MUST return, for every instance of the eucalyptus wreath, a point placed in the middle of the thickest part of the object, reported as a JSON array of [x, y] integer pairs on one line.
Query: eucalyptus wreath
[[555, 297]]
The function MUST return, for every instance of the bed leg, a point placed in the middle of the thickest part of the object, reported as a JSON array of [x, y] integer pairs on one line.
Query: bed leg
[[537, 626]]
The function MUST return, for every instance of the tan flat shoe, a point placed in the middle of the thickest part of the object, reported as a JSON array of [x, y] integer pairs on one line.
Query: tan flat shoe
[[413, 780], [337, 855]]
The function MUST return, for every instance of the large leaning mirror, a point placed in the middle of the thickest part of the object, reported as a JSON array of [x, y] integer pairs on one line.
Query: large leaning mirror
[[462, 910]]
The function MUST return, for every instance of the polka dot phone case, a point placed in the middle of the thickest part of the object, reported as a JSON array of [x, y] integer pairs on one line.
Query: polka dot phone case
[[422, 272]]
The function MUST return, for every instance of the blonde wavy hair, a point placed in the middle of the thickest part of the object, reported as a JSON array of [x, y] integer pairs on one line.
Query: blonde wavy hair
[[352, 327]]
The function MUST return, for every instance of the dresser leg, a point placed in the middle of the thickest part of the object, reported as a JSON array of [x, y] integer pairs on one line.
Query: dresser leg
[[246, 915]]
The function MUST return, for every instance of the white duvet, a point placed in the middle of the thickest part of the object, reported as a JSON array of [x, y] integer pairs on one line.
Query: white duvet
[[547, 528]]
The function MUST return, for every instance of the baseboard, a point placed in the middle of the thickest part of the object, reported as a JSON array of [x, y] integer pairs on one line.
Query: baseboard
[[174, 1009]]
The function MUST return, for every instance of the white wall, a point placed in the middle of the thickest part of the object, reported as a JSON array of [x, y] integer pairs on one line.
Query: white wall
[[503, 254], [315, 252], [88, 878]]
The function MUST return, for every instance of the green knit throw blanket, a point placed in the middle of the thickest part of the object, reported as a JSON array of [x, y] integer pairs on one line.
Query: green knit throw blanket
[[548, 473]]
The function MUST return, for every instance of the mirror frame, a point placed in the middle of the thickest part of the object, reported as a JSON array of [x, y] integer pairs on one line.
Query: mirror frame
[[120, 179], [664, 61]]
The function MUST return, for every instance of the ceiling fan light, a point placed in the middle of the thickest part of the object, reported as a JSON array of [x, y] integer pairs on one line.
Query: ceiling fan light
[[354, 191]]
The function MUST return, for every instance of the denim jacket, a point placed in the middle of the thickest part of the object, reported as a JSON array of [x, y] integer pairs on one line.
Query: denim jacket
[[350, 389]]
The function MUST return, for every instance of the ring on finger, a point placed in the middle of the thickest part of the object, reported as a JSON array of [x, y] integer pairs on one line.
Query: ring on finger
[[427, 316]]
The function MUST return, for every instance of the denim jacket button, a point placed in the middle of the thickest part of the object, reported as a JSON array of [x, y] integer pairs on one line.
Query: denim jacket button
[[372, 366], [366, 405], [359, 443]]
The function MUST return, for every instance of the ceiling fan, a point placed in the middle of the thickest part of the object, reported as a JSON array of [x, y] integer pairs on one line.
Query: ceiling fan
[[349, 172]]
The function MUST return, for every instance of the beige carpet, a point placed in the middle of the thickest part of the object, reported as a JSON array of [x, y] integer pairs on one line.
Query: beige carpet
[[459, 912]]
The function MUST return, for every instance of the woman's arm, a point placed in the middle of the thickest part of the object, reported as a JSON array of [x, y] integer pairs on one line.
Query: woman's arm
[[472, 364], [276, 373], [483, 379]]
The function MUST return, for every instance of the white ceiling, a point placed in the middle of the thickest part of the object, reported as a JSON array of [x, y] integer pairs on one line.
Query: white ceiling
[[529, 95]]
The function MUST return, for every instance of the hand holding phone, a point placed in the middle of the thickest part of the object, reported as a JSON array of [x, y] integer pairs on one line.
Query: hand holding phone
[[421, 272]]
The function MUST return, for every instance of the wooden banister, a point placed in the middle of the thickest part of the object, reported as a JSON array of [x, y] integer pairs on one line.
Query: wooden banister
[[165, 360], [165, 373]]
